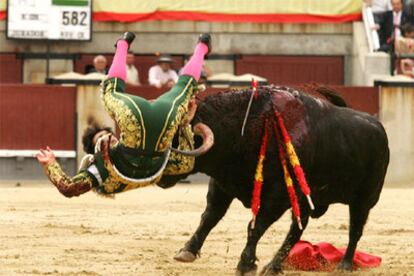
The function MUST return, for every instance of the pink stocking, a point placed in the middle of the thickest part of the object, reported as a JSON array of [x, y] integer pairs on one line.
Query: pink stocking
[[195, 64], [118, 66]]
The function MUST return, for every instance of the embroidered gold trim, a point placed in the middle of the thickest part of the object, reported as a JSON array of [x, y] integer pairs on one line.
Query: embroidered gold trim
[[140, 114], [131, 130], [169, 113]]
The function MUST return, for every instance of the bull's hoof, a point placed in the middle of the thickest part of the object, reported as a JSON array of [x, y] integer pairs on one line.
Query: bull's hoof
[[344, 266], [270, 269], [185, 256], [246, 273]]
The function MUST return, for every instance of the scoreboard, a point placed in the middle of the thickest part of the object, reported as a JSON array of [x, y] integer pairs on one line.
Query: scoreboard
[[49, 19]]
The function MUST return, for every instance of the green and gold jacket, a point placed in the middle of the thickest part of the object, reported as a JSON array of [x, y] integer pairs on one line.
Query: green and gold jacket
[[142, 154]]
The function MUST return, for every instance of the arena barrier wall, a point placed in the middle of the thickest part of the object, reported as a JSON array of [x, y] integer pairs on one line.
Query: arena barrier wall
[[293, 70], [11, 68], [32, 116], [89, 105], [361, 98], [397, 116]]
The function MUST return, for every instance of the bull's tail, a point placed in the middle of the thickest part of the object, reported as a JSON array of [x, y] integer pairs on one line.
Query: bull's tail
[[331, 95]]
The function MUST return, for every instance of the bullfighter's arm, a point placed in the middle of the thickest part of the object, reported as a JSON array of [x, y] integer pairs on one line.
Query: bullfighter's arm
[[69, 187]]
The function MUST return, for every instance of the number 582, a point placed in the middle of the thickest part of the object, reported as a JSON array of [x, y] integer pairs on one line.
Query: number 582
[[74, 18]]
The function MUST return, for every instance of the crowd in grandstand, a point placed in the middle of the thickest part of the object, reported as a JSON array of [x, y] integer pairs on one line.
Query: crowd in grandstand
[[160, 75], [395, 24]]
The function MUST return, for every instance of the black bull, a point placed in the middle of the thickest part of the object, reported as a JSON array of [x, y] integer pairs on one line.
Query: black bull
[[343, 152]]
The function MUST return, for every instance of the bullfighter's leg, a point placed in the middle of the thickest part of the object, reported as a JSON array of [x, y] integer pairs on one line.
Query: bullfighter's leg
[[265, 218], [358, 212], [194, 66], [293, 236], [118, 66], [217, 204]]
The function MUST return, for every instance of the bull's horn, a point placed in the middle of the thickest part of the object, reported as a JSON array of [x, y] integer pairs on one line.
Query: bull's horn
[[208, 141]]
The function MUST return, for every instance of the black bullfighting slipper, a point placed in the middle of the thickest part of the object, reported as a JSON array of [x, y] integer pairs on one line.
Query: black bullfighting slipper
[[128, 37], [206, 39]]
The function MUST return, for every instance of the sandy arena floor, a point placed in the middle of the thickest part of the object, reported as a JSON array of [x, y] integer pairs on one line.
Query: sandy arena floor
[[138, 233]]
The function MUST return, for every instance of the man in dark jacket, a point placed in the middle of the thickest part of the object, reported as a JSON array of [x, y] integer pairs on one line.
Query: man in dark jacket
[[390, 27]]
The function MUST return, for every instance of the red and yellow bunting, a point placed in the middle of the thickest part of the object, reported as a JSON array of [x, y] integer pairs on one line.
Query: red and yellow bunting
[[259, 11], [2, 9]]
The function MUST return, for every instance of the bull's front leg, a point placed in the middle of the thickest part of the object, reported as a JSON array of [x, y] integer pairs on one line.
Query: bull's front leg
[[293, 236], [265, 218], [217, 204]]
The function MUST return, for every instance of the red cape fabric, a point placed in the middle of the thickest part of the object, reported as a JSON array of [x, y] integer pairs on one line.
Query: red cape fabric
[[324, 257]]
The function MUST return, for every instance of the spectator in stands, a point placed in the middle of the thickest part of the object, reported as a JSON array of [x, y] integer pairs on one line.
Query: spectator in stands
[[390, 27], [409, 10], [407, 32], [132, 71], [99, 65], [405, 45], [407, 67], [379, 8], [162, 74]]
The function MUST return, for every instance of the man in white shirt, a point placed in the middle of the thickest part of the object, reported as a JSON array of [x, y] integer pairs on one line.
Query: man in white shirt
[[131, 70], [162, 74], [99, 65]]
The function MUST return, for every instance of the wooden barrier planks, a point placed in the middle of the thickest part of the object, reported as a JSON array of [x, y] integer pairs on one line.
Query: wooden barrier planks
[[33, 116]]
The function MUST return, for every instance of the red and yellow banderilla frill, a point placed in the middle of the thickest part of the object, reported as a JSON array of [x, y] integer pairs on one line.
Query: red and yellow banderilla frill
[[258, 178], [286, 150], [294, 160]]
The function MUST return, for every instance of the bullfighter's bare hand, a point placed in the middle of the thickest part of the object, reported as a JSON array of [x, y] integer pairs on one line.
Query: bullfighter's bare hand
[[46, 156]]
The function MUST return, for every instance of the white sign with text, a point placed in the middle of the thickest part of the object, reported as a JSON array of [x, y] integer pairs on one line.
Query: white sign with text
[[49, 19]]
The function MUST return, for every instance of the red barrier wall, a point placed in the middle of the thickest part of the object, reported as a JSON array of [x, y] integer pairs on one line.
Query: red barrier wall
[[33, 116], [11, 69], [294, 70], [364, 99]]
